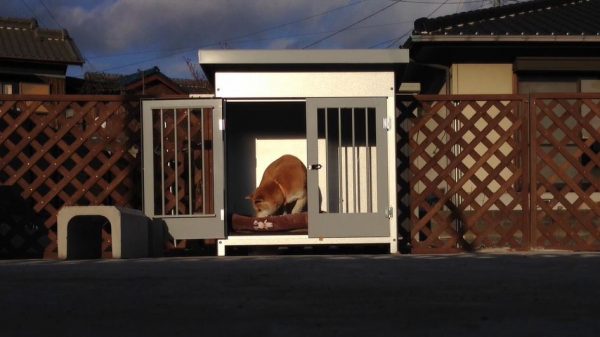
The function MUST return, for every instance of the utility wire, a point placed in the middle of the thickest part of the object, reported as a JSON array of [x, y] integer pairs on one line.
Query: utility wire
[[241, 41], [296, 21], [242, 38], [390, 41], [351, 25], [398, 39], [235, 38], [28, 8], [437, 2], [87, 60], [50, 14]]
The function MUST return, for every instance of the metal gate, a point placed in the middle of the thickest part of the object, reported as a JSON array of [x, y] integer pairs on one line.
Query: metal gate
[[183, 166], [347, 156]]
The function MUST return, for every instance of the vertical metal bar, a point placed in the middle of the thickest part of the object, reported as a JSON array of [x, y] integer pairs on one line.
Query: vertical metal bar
[[369, 182], [176, 160], [203, 174], [162, 160], [347, 180], [189, 175], [354, 180], [340, 153], [326, 187]]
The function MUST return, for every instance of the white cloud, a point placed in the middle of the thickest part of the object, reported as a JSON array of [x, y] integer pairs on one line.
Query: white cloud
[[137, 30]]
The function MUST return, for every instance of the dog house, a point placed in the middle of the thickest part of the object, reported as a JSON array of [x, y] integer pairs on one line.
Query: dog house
[[333, 109]]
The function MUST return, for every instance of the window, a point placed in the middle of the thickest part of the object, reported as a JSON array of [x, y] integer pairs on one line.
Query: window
[[34, 89], [534, 84], [6, 88]]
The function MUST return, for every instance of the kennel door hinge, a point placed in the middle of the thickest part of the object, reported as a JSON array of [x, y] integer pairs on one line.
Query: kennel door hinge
[[221, 124], [387, 123], [389, 213]]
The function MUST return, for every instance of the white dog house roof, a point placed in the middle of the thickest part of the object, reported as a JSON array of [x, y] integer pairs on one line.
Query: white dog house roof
[[212, 61]]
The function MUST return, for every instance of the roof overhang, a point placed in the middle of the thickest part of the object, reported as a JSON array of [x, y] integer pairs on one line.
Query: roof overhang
[[212, 61], [558, 64], [505, 38]]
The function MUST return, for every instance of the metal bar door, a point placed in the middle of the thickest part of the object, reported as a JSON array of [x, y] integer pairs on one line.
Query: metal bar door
[[347, 161], [183, 166]]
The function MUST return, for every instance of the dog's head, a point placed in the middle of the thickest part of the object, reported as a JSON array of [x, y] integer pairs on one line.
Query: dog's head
[[266, 200]]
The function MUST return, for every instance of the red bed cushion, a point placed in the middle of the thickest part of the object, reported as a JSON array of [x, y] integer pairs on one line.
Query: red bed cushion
[[275, 223]]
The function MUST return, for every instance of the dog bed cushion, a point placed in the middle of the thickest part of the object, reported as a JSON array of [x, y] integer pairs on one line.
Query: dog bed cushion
[[274, 223]]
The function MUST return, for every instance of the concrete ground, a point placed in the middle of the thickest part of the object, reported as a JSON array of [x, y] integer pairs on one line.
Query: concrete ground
[[532, 294]]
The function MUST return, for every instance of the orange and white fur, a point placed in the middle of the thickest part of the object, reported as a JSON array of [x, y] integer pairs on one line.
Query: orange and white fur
[[282, 183]]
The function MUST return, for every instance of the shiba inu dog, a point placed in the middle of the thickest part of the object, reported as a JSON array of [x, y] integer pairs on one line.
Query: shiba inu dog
[[282, 183]]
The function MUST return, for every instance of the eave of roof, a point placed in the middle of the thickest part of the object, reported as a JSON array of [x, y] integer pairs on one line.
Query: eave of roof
[[532, 21], [213, 61], [505, 38], [304, 57]]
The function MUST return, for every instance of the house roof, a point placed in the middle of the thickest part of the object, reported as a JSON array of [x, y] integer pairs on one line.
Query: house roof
[[23, 39], [544, 20], [104, 83], [538, 35], [192, 86], [126, 80]]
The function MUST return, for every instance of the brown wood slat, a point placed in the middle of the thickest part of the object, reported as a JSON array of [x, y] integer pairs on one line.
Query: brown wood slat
[[456, 226], [457, 160], [80, 166], [40, 126], [80, 170], [57, 171], [47, 146], [559, 222]]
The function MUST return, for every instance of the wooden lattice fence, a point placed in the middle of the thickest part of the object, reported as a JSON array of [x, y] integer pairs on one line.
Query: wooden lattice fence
[[70, 150], [565, 140], [473, 171], [509, 171]]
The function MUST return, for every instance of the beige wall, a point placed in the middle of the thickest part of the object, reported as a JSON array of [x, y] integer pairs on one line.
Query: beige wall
[[482, 79], [471, 79]]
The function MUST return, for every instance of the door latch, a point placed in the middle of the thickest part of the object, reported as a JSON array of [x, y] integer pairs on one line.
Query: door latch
[[387, 124], [314, 166], [389, 213]]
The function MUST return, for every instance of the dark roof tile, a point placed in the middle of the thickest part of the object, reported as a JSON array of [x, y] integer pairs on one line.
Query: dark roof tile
[[538, 17], [23, 39]]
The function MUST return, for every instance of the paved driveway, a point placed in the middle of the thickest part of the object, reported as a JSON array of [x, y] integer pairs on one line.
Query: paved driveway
[[535, 294]]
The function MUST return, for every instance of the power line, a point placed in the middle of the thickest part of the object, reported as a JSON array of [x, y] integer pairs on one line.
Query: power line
[[352, 24], [235, 38], [297, 21], [50, 14], [424, 2], [239, 41], [390, 41], [243, 38], [28, 8], [396, 40], [87, 61]]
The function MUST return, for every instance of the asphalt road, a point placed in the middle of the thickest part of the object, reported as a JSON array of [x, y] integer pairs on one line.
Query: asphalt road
[[534, 294]]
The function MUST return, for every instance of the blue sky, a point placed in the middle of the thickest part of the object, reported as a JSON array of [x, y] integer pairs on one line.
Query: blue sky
[[122, 36]]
